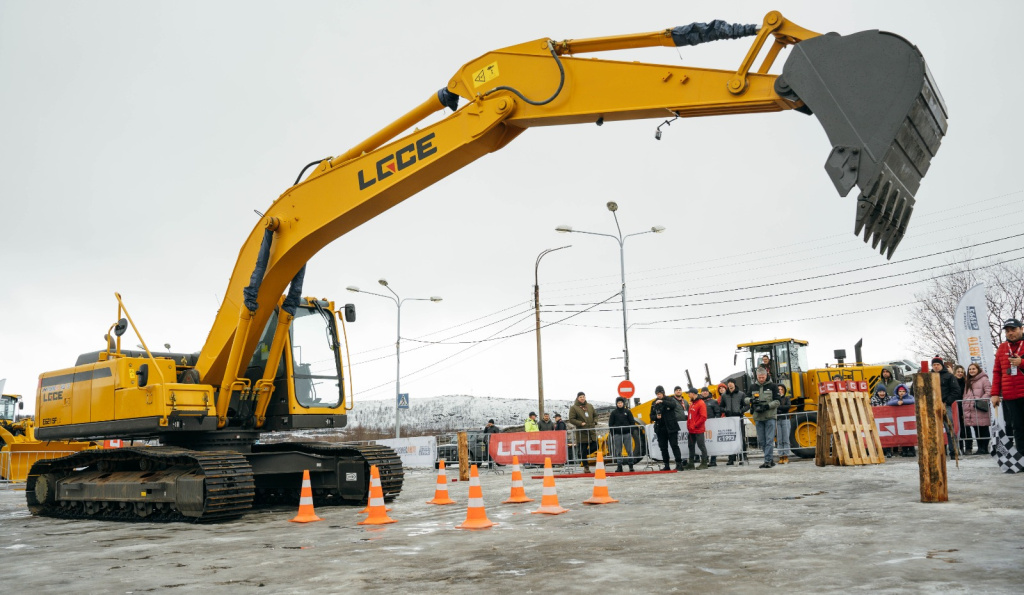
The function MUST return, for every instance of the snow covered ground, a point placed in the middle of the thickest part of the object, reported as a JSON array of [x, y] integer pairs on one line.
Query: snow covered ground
[[792, 529]]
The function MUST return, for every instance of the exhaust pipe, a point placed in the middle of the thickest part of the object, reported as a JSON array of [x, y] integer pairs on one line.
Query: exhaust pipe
[[873, 94]]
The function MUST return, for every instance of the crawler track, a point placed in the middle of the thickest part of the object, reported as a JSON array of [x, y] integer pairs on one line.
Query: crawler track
[[392, 474], [221, 485]]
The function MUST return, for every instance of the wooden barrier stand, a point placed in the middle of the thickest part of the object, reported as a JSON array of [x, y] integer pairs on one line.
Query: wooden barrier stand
[[463, 457], [847, 434], [931, 447]]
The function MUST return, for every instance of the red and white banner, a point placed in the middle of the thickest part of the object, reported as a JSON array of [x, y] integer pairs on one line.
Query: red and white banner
[[897, 425], [530, 447]]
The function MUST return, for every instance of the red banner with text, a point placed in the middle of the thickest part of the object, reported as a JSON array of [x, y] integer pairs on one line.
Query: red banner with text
[[530, 447], [897, 425]]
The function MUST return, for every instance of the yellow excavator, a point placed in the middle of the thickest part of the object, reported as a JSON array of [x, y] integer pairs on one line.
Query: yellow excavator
[[870, 91]]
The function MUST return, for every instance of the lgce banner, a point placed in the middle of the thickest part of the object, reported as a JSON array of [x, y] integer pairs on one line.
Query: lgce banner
[[530, 447]]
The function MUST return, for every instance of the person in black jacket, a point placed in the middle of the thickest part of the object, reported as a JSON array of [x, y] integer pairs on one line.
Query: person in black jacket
[[621, 433], [559, 424], [665, 413], [489, 429], [951, 393], [733, 406]]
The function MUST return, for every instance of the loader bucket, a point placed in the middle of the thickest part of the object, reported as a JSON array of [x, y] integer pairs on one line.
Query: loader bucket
[[16, 459], [878, 103]]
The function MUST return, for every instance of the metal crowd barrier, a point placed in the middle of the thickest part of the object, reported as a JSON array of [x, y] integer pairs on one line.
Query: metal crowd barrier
[[974, 437], [14, 466]]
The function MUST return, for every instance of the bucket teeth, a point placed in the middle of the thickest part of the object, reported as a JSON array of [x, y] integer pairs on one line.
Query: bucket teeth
[[883, 214]]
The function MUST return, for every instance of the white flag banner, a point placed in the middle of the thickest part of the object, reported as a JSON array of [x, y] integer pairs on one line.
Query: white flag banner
[[721, 437], [973, 342]]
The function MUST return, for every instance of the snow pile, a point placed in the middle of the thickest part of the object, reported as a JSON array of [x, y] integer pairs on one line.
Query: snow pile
[[450, 412]]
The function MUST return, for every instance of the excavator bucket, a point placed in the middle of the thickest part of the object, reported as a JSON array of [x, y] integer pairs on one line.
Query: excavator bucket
[[878, 103]]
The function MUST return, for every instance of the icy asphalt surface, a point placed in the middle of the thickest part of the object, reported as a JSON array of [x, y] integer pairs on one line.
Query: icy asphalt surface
[[795, 528]]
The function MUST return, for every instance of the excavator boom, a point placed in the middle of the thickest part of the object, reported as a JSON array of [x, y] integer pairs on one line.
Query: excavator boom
[[871, 92]]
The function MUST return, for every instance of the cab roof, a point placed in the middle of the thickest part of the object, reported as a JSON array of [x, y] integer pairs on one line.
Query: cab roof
[[772, 342]]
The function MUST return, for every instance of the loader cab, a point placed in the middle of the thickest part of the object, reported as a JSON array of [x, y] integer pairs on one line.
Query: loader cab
[[786, 360], [8, 407]]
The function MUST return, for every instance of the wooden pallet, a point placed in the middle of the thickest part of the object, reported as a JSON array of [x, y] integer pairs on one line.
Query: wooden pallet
[[847, 434]]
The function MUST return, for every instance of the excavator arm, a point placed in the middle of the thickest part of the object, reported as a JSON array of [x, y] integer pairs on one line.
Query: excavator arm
[[871, 92]]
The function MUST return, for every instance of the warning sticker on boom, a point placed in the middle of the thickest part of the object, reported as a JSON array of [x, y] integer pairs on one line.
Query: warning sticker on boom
[[486, 74]]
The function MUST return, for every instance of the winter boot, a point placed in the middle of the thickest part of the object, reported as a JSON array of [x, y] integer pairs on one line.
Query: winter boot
[[667, 466], [680, 466], [703, 463], [618, 468], [631, 469], [714, 462]]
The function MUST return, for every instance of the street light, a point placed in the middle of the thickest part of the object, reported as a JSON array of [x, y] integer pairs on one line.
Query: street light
[[621, 239], [536, 307], [398, 338]]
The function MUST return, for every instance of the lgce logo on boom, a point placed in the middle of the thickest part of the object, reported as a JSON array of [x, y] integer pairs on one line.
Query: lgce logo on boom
[[399, 160]]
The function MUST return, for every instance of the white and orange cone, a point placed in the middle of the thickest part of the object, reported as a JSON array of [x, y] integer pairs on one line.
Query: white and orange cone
[[549, 500], [600, 485], [306, 513], [441, 491], [518, 494], [476, 516], [378, 512]]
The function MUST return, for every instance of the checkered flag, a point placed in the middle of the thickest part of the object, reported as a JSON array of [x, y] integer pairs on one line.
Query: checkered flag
[[1008, 457]]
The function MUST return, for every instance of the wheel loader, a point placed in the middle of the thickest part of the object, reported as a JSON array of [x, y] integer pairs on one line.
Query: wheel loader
[[19, 448], [871, 92]]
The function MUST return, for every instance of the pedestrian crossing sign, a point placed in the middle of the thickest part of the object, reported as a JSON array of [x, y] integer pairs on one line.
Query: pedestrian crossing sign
[[403, 400]]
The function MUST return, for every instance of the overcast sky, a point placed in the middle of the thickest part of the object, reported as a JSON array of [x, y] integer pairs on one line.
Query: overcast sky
[[137, 138]]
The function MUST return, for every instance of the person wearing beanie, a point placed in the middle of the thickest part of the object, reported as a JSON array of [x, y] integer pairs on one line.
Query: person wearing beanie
[[950, 389], [665, 413], [695, 432], [621, 434], [733, 405], [531, 423], [559, 424], [489, 429], [584, 419]]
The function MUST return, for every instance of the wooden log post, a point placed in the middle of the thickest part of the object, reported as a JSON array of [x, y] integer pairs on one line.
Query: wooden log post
[[463, 457], [931, 448]]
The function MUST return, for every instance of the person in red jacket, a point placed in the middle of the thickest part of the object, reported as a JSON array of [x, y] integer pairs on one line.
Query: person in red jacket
[[695, 430], [1008, 380]]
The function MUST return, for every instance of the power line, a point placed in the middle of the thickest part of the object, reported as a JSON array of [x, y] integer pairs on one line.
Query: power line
[[689, 328], [742, 299]]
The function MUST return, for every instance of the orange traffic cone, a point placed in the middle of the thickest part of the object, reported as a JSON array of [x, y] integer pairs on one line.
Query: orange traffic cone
[[306, 514], [549, 499], [476, 516], [441, 491], [518, 492], [600, 485], [378, 512]]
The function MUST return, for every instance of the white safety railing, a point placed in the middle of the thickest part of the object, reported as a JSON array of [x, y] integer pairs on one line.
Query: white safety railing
[[14, 466]]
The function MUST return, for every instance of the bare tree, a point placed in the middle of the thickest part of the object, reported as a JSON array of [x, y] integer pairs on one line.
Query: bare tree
[[931, 321]]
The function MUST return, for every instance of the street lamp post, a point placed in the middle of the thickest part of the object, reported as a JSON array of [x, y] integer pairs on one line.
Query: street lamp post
[[398, 340], [621, 239], [536, 307]]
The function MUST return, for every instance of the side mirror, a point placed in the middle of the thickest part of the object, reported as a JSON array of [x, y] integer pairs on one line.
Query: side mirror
[[734, 356], [21, 405], [121, 327], [143, 375], [350, 312]]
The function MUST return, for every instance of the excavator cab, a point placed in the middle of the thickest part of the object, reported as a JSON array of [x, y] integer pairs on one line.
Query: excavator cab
[[297, 378]]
